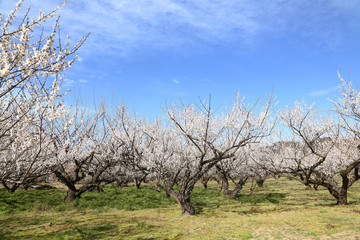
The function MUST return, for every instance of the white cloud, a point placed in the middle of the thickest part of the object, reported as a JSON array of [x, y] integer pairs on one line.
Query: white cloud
[[127, 25], [174, 80], [83, 80], [68, 82], [323, 92]]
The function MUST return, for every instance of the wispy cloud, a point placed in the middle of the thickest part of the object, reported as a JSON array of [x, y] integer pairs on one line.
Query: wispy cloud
[[68, 82], [129, 25], [174, 80], [83, 80], [323, 92]]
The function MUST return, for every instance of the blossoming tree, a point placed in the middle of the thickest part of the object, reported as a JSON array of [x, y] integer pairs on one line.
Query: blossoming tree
[[30, 97], [203, 139], [317, 149]]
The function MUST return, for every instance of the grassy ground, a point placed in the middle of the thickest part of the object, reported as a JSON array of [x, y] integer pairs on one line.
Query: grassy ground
[[279, 210]]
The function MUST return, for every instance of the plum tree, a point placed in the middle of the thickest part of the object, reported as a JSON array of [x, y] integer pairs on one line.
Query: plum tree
[[203, 139], [30, 97]]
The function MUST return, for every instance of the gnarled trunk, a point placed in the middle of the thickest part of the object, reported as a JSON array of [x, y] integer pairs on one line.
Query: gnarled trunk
[[235, 191], [238, 186], [342, 200], [184, 202], [223, 180], [182, 197], [339, 194]]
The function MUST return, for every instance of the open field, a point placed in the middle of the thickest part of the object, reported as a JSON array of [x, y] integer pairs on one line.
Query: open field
[[279, 210]]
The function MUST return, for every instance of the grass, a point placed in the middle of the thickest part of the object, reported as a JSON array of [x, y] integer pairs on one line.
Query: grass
[[280, 210]]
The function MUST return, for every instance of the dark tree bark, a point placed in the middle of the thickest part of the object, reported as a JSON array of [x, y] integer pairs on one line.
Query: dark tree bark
[[186, 207], [187, 184], [222, 179], [238, 187], [91, 180], [204, 181], [71, 195], [339, 194], [10, 188], [139, 180], [260, 181], [225, 183]]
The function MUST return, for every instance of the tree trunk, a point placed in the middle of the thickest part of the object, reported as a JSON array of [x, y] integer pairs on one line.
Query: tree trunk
[[309, 187], [182, 197], [204, 181], [13, 189], [276, 177], [71, 195], [167, 195], [260, 182], [342, 200], [238, 186], [10, 189], [340, 195], [158, 189], [225, 186], [186, 207], [224, 183], [99, 188], [223, 180], [235, 192], [137, 183]]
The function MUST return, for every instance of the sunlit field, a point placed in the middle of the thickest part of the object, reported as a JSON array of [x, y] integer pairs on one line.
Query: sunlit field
[[281, 209]]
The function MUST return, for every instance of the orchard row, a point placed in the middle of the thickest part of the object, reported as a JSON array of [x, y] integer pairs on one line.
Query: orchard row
[[42, 139]]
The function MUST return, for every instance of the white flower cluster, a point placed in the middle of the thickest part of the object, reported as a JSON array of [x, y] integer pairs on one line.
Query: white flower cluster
[[30, 100]]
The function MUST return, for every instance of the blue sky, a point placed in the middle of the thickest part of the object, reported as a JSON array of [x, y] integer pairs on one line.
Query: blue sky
[[141, 52]]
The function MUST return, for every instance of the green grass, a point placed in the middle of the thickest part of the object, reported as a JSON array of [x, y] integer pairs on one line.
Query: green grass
[[30, 200], [282, 209], [128, 198]]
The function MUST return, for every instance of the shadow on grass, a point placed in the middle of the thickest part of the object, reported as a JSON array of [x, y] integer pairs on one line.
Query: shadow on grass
[[213, 198], [88, 232], [128, 198], [261, 198]]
